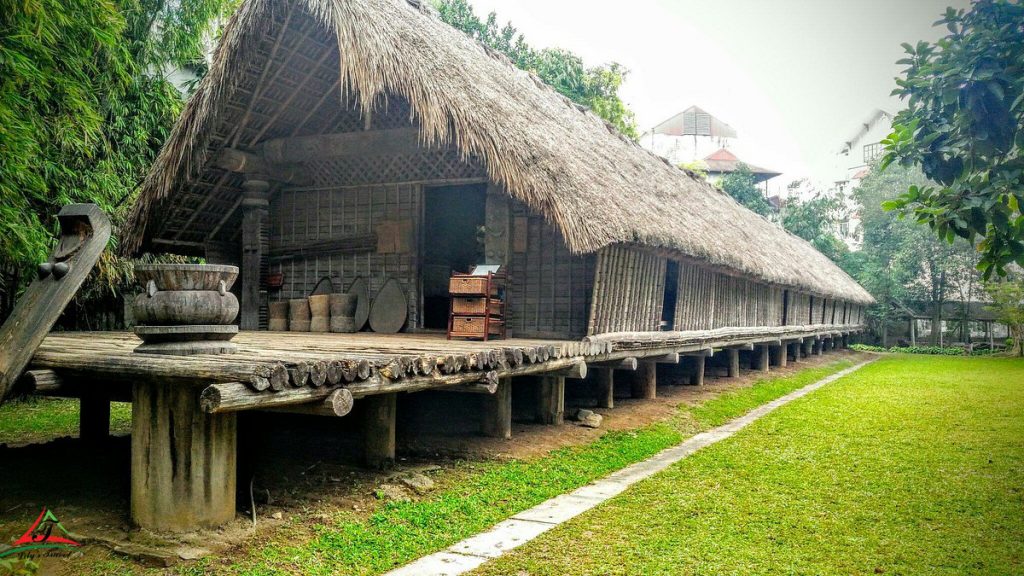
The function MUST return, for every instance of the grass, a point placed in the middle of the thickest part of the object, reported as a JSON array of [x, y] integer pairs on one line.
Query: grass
[[912, 465], [476, 495], [41, 419]]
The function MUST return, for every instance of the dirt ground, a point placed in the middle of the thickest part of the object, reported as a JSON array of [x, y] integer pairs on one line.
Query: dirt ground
[[301, 466]]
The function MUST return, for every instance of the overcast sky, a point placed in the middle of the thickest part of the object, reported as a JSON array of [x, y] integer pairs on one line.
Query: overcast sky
[[793, 77]]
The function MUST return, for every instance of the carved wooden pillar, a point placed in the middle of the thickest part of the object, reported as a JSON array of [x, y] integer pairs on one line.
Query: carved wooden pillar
[[255, 208]]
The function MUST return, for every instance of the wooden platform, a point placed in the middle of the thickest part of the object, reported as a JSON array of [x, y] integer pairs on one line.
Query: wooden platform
[[184, 424]]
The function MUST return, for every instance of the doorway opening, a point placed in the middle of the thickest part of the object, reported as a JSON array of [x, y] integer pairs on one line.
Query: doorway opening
[[453, 241], [668, 304]]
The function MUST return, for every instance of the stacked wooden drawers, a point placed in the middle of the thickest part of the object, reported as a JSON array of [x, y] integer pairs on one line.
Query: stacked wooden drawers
[[477, 308]]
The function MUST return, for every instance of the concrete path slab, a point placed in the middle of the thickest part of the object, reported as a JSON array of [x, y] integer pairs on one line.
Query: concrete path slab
[[528, 524]]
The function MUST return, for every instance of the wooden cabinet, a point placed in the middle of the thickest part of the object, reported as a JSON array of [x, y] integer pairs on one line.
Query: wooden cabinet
[[477, 306]]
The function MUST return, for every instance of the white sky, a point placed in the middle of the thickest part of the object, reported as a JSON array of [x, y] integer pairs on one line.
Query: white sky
[[793, 77]]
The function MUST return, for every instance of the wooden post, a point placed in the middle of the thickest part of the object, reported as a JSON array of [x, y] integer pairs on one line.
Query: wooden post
[[696, 370], [645, 381], [794, 350], [762, 364], [94, 416], [551, 405], [991, 337], [734, 362], [379, 445], [779, 355], [818, 347], [497, 421], [255, 203], [183, 460], [605, 387]]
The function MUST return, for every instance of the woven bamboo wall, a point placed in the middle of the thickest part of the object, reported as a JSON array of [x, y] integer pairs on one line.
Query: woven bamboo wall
[[629, 290], [550, 288], [706, 300], [298, 217]]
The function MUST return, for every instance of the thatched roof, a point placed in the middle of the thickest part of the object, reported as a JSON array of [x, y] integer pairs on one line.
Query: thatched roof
[[598, 187]]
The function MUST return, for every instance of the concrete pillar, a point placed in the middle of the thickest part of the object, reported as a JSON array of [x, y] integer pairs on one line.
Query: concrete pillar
[[605, 378], [183, 460], [497, 421], [645, 381], [379, 426], [734, 362], [255, 205], [551, 406]]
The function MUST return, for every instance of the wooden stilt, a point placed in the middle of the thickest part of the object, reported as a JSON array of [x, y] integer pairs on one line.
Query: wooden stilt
[[551, 407], [763, 357], [380, 430], [497, 421], [734, 363], [779, 355], [183, 460], [696, 370], [605, 387], [645, 381], [94, 416]]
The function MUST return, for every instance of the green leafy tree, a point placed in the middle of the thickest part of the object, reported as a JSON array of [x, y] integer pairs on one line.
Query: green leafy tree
[[742, 186], [84, 107], [963, 127], [901, 261], [1008, 304], [597, 88], [815, 219]]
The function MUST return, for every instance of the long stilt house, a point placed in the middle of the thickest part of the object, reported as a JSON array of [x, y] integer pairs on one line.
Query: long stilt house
[[367, 139]]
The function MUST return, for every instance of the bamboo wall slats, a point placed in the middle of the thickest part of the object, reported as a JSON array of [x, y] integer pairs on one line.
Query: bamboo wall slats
[[549, 287], [629, 290]]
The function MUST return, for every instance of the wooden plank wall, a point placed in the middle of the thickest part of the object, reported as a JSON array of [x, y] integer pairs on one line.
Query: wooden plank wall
[[550, 288], [307, 216], [629, 290]]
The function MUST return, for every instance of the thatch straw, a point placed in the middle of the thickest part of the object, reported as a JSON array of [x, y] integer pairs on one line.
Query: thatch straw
[[598, 187]]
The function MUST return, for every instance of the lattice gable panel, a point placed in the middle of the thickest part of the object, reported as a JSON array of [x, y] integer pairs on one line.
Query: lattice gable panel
[[426, 165]]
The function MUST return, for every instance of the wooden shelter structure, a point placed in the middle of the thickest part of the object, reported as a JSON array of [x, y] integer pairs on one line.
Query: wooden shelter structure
[[366, 138]]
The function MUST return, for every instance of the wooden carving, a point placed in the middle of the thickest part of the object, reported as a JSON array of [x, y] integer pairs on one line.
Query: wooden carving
[[85, 230]]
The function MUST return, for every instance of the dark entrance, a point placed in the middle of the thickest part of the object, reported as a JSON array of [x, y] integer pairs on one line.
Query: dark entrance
[[668, 305], [453, 241]]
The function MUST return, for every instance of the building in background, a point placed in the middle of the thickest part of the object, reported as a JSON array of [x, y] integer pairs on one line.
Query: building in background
[[853, 161]]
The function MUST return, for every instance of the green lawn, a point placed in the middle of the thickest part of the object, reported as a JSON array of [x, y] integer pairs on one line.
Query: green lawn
[[42, 419], [476, 495], [912, 465]]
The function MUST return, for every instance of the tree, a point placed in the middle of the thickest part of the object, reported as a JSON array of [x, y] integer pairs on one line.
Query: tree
[[597, 88], [84, 107], [963, 127], [815, 220], [742, 186], [901, 261], [1008, 304]]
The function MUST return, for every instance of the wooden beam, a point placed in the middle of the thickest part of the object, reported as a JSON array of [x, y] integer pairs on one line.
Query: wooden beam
[[240, 161], [338, 404], [389, 142], [672, 358], [745, 347], [624, 364], [577, 371]]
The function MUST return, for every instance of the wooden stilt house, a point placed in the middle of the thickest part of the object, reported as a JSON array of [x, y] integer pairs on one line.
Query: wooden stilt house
[[366, 138]]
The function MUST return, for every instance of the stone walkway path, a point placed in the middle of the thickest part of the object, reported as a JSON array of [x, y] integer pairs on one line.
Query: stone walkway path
[[527, 525]]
